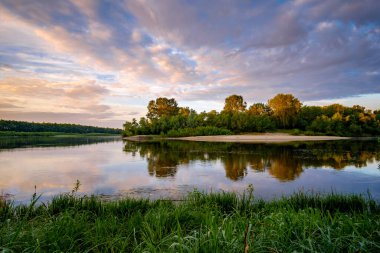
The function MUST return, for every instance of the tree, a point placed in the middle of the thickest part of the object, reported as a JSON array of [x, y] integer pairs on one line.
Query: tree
[[358, 108], [285, 108], [234, 103], [130, 128], [307, 114], [377, 114], [330, 110], [185, 111], [259, 109], [144, 127], [162, 107]]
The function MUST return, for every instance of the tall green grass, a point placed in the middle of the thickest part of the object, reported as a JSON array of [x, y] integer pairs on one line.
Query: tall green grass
[[216, 222]]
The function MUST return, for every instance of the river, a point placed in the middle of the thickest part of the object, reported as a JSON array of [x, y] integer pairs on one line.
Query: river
[[114, 168]]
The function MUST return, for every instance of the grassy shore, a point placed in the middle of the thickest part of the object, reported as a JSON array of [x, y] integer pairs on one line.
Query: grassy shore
[[219, 222]]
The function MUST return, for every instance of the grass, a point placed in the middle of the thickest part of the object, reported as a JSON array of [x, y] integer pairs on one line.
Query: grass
[[216, 222]]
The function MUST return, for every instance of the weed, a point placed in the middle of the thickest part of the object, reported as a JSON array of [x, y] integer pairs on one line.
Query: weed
[[203, 222]]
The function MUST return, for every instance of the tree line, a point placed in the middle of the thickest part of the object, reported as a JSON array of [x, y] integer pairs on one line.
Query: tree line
[[23, 126], [283, 111]]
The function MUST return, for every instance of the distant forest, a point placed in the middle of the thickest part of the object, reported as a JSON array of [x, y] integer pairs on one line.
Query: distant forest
[[283, 112], [22, 126]]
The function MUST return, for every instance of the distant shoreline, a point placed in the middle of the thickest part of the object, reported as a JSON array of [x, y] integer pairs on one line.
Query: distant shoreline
[[247, 138], [53, 134]]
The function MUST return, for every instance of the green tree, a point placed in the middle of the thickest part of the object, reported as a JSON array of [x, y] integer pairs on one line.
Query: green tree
[[144, 127], [358, 108], [307, 115], [377, 114], [285, 108], [130, 128], [234, 103], [162, 107]]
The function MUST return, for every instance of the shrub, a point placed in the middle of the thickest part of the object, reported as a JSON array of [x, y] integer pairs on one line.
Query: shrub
[[198, 131]]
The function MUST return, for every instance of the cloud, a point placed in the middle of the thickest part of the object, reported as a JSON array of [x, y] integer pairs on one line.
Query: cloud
[[133, 113], [79, 56], [8, 106], [86, 91], [41, 97], [360, 12]]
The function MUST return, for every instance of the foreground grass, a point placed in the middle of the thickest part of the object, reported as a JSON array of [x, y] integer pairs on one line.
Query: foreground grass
[[220, 222]]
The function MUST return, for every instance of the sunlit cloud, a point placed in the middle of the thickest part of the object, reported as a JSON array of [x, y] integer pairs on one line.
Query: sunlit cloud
[[89, 57]]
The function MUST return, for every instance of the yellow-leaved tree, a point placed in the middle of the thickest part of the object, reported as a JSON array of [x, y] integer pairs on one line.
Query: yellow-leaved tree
[[162, 107], [285, 108], [234, 103]]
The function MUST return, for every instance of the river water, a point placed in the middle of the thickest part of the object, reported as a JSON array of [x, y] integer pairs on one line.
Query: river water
[[114, 168]]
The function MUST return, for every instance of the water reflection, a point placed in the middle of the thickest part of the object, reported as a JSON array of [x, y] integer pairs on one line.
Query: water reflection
[[285, 162], [171, 169]]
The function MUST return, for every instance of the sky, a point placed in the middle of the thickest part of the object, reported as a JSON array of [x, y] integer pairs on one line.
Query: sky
[[99, 62]]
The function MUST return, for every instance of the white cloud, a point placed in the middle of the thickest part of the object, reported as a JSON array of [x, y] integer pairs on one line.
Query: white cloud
[[86, 55]]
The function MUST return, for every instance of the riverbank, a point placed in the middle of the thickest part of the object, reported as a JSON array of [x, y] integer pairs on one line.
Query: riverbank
[[248, 138], [219, 222], [261, 138]]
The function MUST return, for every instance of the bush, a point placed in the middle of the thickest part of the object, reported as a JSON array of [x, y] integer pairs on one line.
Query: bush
[[198, 131], [295, 132], [127, 133]]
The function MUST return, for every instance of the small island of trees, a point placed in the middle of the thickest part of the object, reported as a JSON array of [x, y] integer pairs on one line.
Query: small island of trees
[[283, 112]]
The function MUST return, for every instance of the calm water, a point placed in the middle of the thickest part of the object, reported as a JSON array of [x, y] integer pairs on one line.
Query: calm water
[[113, 168]]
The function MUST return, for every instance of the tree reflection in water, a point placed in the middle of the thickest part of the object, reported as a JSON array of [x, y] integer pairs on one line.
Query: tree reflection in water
[[285, 162]]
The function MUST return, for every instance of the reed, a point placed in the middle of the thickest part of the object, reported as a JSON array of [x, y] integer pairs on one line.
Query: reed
[[203, 222]]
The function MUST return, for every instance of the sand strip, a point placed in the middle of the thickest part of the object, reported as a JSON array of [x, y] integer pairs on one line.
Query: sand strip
[[261, 138]]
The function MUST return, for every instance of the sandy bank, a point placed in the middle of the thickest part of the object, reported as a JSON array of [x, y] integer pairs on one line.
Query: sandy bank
[[263, 138]]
